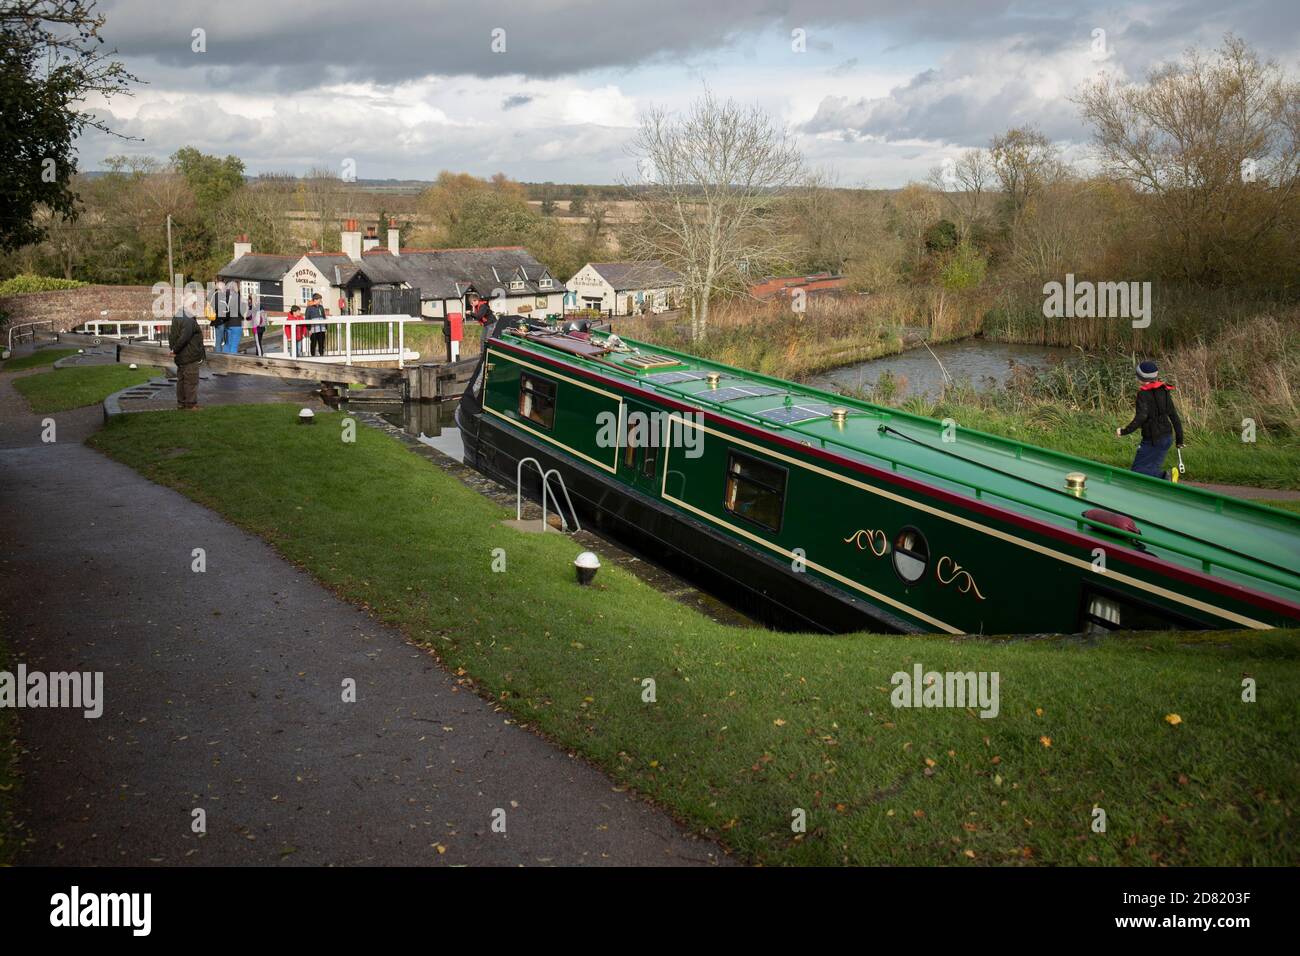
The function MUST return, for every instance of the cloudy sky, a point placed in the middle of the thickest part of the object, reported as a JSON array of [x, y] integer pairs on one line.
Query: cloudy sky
[[878, 91]]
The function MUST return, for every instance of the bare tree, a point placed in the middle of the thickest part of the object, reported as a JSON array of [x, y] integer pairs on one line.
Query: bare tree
[[320, 195], [1214, 142], [963, 183], [1024, 161], [827, 221], [260, 210], [709, 180], [912, 211]]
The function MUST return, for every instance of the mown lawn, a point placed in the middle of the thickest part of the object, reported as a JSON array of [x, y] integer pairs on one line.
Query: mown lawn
[[65, 388], [36, 359], [748, 727]]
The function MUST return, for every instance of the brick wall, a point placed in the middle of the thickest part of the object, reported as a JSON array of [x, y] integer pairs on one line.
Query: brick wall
[[68, 308]]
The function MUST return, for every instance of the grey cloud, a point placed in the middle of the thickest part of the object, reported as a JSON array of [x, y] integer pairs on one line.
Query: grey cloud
[[972, 96], [515, 100], [301, 45]]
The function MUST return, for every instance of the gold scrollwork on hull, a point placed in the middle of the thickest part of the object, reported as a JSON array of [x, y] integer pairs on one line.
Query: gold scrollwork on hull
[[966, 582], [871, 536]]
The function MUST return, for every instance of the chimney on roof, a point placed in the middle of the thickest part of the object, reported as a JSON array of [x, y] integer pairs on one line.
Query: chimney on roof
[[350, 240], [394, 246], [369, 240], [315, 245], [242, 246]]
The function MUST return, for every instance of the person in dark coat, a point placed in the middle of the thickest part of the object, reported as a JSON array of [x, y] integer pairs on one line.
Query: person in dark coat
[[1155, 414], [185, 339]]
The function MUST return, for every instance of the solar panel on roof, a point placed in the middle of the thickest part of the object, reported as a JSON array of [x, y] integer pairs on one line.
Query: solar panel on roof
[[792, 414], [672, 378], [733, 392]]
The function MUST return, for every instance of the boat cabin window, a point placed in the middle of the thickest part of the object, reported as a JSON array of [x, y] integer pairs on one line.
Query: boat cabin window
[[755, 490], [911, 555], [537, 399], [1105, 611], [640, 447]]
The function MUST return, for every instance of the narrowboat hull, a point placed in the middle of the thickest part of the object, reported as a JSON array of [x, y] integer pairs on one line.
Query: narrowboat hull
[[753, 583], [806, 530]]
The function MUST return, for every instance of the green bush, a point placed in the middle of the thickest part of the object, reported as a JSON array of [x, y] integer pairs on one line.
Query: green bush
[[22, 284]]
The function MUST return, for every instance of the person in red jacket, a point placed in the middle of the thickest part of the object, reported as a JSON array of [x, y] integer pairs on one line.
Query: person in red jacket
[[1154, 413], [294, 334]]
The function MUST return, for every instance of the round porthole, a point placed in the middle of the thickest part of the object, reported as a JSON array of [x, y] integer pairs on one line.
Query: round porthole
[[911, 555]]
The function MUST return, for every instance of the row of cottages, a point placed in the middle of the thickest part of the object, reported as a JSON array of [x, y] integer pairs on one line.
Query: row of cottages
[[366, 275], [626, 288]]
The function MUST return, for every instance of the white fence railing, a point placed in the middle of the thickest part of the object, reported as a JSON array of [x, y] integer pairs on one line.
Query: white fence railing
[[348, 338]]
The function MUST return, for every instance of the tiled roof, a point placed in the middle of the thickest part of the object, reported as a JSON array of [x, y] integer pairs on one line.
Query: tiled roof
[[651, 274], [437, 273]]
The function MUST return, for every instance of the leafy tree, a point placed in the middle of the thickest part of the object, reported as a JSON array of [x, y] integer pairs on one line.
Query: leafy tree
[[941, 236], [213, 180], [50, 59], [493, 218]]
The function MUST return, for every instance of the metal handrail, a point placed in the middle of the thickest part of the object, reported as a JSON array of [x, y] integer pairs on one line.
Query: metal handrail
[[546, 488], [28, 325], [577, 525]]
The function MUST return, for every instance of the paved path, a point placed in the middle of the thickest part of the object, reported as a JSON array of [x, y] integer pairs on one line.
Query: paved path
[[223, 692], [1247, 491]]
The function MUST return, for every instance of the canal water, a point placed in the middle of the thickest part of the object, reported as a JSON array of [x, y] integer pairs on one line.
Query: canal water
[[983, 363], [422, 418]]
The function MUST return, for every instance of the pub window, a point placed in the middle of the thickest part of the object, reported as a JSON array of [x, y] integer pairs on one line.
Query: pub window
[[755, 490], [537, 399]]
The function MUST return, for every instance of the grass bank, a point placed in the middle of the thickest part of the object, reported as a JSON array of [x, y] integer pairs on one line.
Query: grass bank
[[750, 727], [427, 338], [65, 388], [37, 359]]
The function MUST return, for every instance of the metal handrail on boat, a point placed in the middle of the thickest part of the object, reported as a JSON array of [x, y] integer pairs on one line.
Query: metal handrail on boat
[[546, 488], [1081, 522]]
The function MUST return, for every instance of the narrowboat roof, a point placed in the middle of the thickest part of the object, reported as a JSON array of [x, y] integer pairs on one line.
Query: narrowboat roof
[[1232, 539]]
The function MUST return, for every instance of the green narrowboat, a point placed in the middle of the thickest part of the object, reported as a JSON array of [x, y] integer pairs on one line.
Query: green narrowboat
[[816, 511]]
